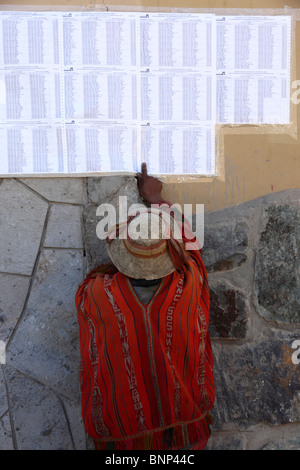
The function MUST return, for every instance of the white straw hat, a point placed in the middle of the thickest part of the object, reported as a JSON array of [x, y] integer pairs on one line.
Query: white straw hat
[[144, 247]]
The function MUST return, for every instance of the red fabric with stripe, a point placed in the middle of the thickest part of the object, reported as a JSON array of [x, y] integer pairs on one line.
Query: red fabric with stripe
[[146, 368]]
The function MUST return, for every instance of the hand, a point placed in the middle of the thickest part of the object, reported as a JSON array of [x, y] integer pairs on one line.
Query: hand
[[149, 187]]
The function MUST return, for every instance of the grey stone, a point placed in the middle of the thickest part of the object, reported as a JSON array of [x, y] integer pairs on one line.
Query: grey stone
[[225, 245], [250, 211], [22, 219], [257, 382], [38, 416], [13, 292], [292, 443], [228, 312], [96, 252], [277, 268], [271, 437], [46, 345], [109, 188], [71, 190], [3, 396], [228, 441], [64, 228], [101, 191], [6, 441], [73, 412]]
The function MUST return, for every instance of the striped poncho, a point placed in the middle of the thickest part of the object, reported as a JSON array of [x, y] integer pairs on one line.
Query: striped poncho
[[146, 370]]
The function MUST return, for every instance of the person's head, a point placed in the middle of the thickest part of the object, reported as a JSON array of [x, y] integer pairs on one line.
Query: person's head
[[147, 246]]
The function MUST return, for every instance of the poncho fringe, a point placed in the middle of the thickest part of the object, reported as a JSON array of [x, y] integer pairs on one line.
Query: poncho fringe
[[192, 435]]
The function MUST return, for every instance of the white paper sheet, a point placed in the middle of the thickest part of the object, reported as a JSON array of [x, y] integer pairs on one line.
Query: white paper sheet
[[88, 92], [253, 69]]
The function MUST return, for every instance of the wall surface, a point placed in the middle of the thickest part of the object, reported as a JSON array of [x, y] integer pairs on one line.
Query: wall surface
[[48, 243], [253, 164], [251, 249]]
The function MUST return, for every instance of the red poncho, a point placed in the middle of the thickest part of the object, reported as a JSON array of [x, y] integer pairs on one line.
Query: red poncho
[[146, 370]]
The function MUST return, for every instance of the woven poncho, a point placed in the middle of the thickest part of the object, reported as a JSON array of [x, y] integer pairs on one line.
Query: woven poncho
[[146, 370]]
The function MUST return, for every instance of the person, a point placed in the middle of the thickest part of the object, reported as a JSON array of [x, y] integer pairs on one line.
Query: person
[[146, 372]]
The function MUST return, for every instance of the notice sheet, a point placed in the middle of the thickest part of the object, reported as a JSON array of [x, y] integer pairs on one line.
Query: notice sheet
[[89, 92]]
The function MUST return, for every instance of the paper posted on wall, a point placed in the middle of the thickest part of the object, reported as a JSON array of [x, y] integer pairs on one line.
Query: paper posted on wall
[[90, 92]]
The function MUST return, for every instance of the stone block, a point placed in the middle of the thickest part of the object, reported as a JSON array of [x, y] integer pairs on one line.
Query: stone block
[[73, 412], [3, 397], [13, 292], [6, 441], [292, 443], [270, 437], [96, 252], [226, 441], [225, 245], [108, 189], [38, 416], [71, 190], [257, 383], [277, 273], [22, 220], [46, 345], [228, 312], [64, 228], [100, 191]]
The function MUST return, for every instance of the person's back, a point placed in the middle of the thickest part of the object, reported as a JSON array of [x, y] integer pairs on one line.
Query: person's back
[[146, 359]]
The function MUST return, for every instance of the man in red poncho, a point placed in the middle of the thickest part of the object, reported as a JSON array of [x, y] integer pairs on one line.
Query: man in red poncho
[[146, 359]]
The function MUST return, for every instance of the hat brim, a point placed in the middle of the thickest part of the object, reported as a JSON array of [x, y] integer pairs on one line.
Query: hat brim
[[139, 268]]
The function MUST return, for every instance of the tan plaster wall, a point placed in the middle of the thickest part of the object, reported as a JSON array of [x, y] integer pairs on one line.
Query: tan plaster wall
[[254, 163]]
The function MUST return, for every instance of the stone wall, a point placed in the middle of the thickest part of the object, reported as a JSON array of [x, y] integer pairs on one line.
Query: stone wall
[[252, 256], [41, 264], [47, 244]]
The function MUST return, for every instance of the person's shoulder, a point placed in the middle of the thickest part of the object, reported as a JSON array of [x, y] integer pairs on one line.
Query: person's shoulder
[[96, 274], [102, 270]]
